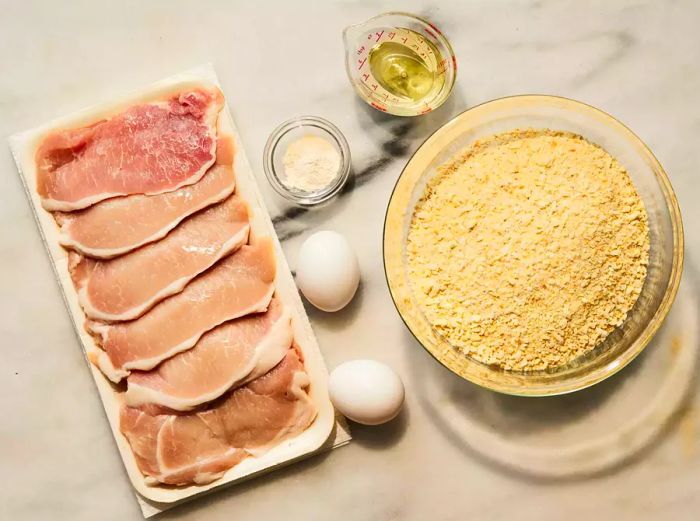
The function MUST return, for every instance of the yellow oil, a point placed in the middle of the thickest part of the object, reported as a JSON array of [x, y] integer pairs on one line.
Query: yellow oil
[[404, 73]]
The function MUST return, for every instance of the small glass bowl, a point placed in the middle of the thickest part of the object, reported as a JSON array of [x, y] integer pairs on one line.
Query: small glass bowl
[[287, 133], [652, 184]]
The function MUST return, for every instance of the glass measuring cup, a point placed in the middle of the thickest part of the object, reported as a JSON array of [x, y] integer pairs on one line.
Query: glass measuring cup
[[420, 38]]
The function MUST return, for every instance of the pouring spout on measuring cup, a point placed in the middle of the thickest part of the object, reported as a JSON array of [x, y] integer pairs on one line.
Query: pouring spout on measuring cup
[[354, 34], [399, 63], [351, 34], [352, 38]]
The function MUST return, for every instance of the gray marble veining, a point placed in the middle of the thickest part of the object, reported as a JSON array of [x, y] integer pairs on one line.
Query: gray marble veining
[[638, 60]]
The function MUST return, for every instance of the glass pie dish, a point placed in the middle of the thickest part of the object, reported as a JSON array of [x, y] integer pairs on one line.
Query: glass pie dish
[[652, 184]]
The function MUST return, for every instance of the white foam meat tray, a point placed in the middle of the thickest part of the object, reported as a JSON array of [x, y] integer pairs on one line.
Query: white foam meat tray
[[326, 432]]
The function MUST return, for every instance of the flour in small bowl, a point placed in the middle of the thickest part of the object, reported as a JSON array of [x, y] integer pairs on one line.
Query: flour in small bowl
[[310, 164]]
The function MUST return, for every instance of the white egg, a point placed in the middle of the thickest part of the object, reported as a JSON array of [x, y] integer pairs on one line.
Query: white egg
[[366, 391], [327, 271]]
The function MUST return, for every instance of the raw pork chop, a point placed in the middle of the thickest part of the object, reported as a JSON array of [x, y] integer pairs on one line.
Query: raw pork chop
[[119, 225], [228, 356], [147, 149], [199, 447], [126, 287], [238, 285]]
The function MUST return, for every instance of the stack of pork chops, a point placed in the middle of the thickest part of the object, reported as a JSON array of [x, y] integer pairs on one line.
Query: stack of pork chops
[[177, 294]]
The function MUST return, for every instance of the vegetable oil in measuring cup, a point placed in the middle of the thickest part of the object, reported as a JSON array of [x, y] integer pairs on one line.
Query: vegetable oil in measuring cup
[[399, 63], [403, 72]]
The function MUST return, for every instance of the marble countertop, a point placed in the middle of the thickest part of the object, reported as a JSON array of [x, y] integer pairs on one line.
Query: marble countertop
[[445, 456]]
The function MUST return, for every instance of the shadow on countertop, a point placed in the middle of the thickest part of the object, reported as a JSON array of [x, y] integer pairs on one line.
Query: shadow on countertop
[[380, 437], [514, 419]]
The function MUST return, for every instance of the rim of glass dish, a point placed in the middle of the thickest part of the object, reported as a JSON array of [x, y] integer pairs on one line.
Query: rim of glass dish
[[311, 198], [439, 35], [589, 379]]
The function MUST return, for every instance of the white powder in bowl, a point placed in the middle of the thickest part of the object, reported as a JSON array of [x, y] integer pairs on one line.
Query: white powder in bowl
[[310, 163]]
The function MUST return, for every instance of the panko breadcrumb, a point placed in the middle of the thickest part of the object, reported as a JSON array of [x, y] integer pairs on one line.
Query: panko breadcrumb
[[528, 249]]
